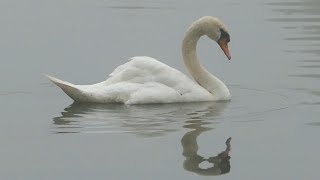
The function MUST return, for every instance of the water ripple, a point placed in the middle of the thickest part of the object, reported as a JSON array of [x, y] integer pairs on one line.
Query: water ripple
[[6, 93], [301, 21], [139, 5]]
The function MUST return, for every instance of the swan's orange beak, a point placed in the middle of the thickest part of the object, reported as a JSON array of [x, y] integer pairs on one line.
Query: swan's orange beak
[[223, 43]]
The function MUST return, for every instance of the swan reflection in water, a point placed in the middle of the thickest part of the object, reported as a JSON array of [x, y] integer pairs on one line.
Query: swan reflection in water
[[221, 162], [152, 121]]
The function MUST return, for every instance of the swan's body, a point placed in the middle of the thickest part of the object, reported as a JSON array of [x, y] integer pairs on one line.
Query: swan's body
[[141, 80], [145, 80]]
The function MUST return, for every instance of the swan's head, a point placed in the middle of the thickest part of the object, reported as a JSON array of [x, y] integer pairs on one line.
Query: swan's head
[[217, 31], [223, 41]]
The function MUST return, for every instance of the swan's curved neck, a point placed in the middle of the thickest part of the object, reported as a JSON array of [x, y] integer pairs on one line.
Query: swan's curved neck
[[197, 71]]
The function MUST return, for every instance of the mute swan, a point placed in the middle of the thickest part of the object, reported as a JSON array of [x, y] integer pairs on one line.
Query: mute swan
[[145, 80]]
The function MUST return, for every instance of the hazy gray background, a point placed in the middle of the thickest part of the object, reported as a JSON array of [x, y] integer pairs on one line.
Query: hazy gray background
[[273, 76]]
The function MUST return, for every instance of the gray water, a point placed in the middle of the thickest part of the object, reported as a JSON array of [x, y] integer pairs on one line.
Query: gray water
[[273, 76]]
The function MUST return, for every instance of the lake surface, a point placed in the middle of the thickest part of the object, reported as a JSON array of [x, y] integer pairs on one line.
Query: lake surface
[[273, 76]]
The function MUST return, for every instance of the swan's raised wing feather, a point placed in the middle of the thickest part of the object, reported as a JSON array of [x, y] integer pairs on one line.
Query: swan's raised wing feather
[[146, 69]]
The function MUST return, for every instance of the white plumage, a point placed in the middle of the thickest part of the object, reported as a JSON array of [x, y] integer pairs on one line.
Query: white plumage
[[141, 80]]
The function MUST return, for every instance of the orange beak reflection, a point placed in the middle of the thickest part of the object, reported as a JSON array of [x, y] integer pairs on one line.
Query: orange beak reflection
[[224, 46]]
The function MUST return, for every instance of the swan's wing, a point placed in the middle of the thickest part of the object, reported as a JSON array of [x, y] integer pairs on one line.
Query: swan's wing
[[145, 70], [138, 66]]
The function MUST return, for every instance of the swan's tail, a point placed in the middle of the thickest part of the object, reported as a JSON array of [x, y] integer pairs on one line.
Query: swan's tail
[[70, 89]]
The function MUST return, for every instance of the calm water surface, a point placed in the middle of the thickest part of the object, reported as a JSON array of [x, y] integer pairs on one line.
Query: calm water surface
[[274, 76]]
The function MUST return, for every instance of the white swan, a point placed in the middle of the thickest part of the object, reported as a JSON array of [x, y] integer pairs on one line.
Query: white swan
[[145, 80]]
